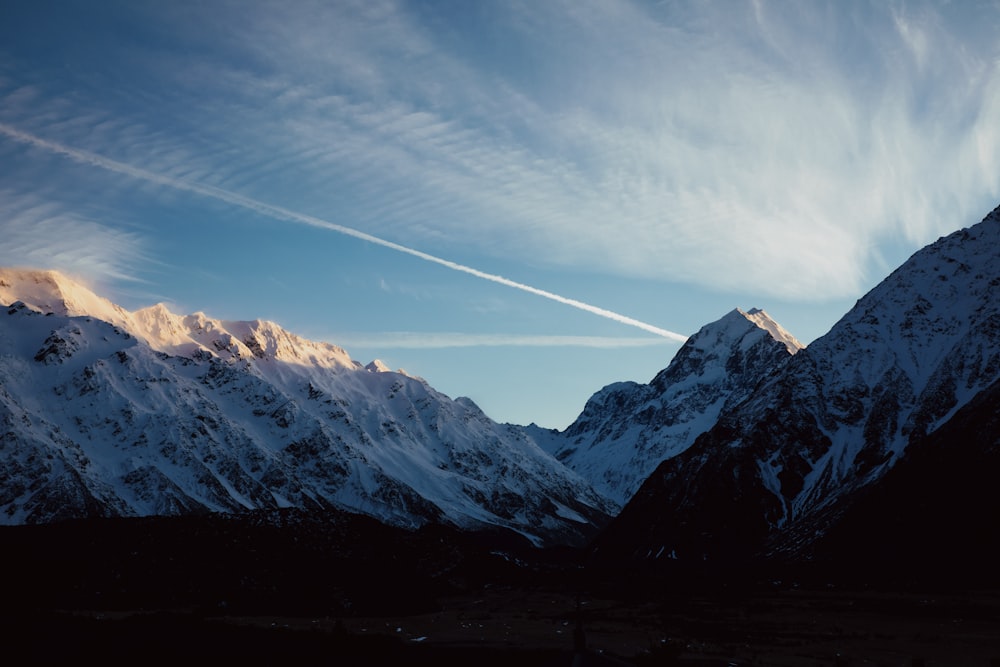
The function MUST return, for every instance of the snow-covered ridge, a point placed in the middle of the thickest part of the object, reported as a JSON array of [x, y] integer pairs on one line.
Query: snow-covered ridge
[[108, 412], [778, 332], [777, 468], [627, 429], [53, 292]]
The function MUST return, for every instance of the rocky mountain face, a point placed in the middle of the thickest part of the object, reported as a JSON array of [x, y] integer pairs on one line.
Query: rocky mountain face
[[627, 429], [936, 511], [106, 412], [781, 467]]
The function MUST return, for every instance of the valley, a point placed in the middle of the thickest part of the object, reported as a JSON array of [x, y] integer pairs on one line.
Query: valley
[[179, 588]]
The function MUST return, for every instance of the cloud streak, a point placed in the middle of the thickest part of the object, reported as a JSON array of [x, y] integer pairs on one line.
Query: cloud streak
[[755, 147], [284, 214], [687, 141], [39, 234], [444, 340]]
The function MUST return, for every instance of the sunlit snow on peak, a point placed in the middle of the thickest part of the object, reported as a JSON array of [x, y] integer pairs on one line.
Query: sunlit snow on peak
[[759, 317]]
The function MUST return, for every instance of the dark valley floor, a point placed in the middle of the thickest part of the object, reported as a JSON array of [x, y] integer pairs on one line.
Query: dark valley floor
[[352, 591]]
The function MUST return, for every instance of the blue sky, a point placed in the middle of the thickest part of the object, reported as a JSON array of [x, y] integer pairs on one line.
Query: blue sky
[[361, 172]]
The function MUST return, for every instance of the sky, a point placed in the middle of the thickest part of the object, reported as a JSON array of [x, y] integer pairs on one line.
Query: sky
[[520, 202]]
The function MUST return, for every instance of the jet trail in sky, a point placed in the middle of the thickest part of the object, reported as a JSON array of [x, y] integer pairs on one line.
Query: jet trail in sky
[[281, 213]]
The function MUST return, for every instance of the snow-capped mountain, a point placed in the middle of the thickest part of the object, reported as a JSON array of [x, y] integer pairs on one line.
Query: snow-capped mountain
[[627, 429], [777, 469], [107, 412]]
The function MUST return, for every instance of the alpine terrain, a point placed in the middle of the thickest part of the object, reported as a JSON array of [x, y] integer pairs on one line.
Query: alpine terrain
[[782, 466], [627, 429], [106, 412], [270, 497]]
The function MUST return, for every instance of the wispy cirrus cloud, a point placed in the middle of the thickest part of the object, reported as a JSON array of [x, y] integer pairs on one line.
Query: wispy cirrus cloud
[[749, 147], [667, 156], [283, 214], [698, 143], [39, 233]]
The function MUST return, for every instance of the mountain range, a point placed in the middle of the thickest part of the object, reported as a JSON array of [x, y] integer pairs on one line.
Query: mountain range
[[106, 412], [780, 469], [746, 445]]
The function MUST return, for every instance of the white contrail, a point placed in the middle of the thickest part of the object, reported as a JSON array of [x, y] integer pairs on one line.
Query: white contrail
[[281, 213]]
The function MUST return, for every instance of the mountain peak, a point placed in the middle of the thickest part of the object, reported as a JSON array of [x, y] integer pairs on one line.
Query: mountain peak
[[736, 330], [377, 366], [627, 429], [45, 290], [778, 333], [50, 291]]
